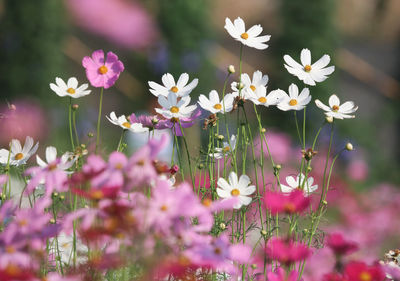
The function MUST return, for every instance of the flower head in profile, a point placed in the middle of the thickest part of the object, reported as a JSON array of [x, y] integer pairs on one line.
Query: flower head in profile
[[149, 122], [181, 88], [280, 275], [70, 88], [125, 124], [248, 37], [298, 183], [101, 71], [339, 245], [260, 97], [306, 71], [18, 154], [294, 101], [278, 202], [214, 104], [236, 188], [336, 110], [360, 271], [287, 251], [250, 85], [226, 149], [174, 108], [66, 160]]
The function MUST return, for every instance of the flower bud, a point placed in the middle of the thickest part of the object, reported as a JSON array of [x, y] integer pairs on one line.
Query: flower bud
[[154, 120], [349, 146], [222, 226], [75, 106], [52, 221], [263, 232], [263, 130], [329, 119], [240, 85], [278, 167], [221, 137], [231, 69], [90, 135]]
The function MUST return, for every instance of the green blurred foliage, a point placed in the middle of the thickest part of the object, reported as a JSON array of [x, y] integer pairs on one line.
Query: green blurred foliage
[[31, 34]]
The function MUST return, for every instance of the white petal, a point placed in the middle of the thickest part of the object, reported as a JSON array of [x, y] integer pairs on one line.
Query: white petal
[[291, 62], [245, 200], [244, 181], [293, 91], [322, 106], [51, 154], [40, 162], [233, 180], [248, 190], [334, 100], [72, 83], [16, 146], [239, 24], [292, 182], [255, 30], [182, 81], [168, 80], [322, 62], [214, 97], [27, 145], [305, 57]]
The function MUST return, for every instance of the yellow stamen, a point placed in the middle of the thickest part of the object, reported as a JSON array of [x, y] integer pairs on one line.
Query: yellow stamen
[[218, 106], [23, 222], [119, 166], [293, 102], [262, 99], [19, 156], [98, 194], [365, 276], [335, 108], [235, 192], [103, 69], [174, 89], [253, 87], [217, 251], [226, 149], [164, 208], [174, 109], [71, 91], [207, 202], [126, 124], [244, 36], [307, 68], [12, 270], [10, 249], [289, 207]]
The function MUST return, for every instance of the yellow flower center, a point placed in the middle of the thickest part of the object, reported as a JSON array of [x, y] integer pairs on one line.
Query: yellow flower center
[[226, 149], [126, 124], [164, 208], [289, 207], [12, 270], [174, 89], [174, 109], [207, 202], [335, 108], [98, 194], [65, 245], [307, 68], [218, 106], [19, 156], [293, 102], [235, 192], [119, 166], [244, 36], [23, 222], [262, 99], [103, 69], [71, 91], [10, 249], [253, 87], [217, 251], [365, 276]]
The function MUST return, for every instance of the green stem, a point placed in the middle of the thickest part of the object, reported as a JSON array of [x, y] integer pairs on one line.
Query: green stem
[[99, 120], [120, 140], [74, 125], [70, 123], [188, 154]]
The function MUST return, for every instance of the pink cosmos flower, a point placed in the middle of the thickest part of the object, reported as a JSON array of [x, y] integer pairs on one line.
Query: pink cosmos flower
[[280, 275], [100, 71], [339, 245], [333, 277], [286, 252], [278, 202], [184, 122], [360, 271], [151, 122]]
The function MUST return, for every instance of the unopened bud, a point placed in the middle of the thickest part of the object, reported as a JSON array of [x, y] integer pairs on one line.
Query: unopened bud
[[62, 197], [13, 107], [52, 221], [309, 169], [231, 69], [325, 202], [263, 130], [90, 135], [240, 85], [278, 167], [154, 120], [75, 106], [201, 166], [222, 226], [263, 232], [329, 119], [349, 146], [253, 266], [221, 137]]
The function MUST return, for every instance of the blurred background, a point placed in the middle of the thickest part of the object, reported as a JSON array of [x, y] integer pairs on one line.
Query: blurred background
[[44, 39]]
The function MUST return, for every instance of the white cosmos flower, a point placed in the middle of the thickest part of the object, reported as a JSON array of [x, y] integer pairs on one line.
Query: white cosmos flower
[[250, 85], [18, 155], [180, 88], [70, 88], [294, 101], [66, 249], [123, 122], [307, 72], [250, 37], [214, 104], [226, 149], [239, 189], [66, 162], [172, 108], [260, 97], [336, 110], [297, 183]]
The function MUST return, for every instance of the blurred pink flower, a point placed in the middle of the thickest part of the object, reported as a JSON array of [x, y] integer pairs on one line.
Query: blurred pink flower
[[339, 245], [279, 144], [358, 170], [100, 71], [21, 119], [286, 252], [278, 202], [125, 23], [359, 271], [280, 275]]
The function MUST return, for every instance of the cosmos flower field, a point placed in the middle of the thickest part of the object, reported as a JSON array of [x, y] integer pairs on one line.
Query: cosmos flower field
[[249, 206]]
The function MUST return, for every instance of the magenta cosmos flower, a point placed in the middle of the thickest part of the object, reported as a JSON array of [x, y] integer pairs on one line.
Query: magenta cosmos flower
[[278, 202], [359, 271], [280, 275], [102, 71], [339, 245], [286, 252]]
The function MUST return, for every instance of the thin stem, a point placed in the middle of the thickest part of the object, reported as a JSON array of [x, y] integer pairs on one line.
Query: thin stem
[[99, 119], [70, 123], [120, 140], [187, 153], [74, 125]]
